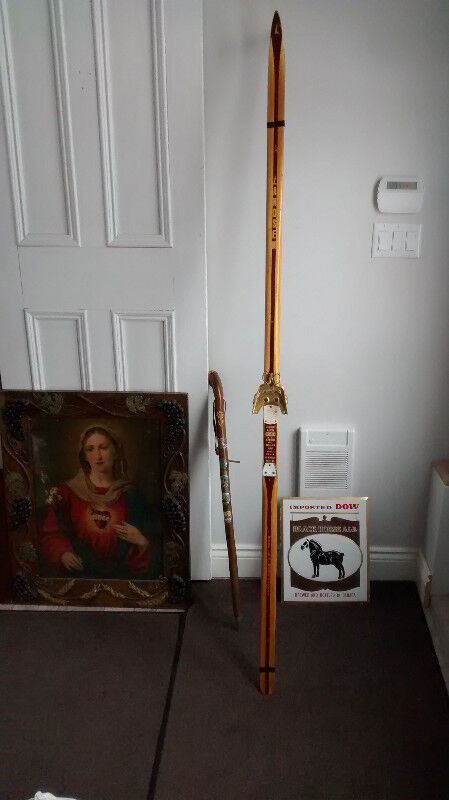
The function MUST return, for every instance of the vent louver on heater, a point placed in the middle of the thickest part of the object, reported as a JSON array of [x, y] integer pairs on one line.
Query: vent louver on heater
[[326, 458]]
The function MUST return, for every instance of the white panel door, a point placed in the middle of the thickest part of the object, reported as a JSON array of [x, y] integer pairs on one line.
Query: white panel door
[[102, 272]]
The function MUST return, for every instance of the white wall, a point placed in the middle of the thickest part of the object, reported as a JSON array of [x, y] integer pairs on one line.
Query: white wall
[[363, 342]]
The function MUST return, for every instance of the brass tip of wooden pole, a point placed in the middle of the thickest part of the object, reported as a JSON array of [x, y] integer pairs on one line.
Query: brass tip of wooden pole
[[266, 687]]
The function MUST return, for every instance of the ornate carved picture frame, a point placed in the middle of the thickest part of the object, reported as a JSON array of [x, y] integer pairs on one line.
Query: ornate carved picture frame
[[97, 498]]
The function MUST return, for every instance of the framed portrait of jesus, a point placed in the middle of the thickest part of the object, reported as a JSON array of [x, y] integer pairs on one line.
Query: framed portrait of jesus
[[97, 501]]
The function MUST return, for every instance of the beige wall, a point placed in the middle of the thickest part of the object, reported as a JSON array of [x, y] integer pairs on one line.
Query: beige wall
[[363, 342]]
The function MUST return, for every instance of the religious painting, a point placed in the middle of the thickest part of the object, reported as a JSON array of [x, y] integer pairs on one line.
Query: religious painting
[[97, 497], [324, 549]]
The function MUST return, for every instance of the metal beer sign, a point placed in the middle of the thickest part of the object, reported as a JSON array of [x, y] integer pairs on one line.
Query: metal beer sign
[[325, 549]]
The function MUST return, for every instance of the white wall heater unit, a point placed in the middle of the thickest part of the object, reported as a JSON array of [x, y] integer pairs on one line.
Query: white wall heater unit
[[436, 549], [326, 462]]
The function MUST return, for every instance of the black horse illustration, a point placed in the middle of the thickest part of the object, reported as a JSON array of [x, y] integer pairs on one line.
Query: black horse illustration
[[320, 556]]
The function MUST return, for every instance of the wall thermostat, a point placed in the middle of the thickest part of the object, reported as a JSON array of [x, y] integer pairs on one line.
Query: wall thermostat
[[400, 195]]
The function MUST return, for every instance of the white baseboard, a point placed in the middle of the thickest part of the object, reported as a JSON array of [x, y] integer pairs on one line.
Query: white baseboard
[[393, 563], [386, 563], [248, 557], [423, 579]]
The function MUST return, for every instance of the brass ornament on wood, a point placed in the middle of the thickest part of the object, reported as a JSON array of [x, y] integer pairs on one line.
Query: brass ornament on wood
[[270, 393]]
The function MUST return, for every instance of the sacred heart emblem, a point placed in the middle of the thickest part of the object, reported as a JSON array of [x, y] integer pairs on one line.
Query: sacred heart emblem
[[100, 517]]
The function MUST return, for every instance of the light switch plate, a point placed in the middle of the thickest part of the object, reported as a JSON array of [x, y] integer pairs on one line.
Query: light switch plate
[[396, 241]]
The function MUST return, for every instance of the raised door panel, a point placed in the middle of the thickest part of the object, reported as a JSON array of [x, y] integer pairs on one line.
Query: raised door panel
[[144, 351], [58, 349], [37, 115], [130, 52]]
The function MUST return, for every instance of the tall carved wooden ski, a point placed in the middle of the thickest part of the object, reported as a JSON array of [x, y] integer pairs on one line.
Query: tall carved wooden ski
[[271, 395]]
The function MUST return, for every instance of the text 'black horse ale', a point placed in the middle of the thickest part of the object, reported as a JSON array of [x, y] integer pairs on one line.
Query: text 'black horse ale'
[[320, 556]]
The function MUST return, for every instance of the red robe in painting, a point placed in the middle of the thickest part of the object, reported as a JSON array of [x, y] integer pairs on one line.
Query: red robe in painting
[[92, 525]]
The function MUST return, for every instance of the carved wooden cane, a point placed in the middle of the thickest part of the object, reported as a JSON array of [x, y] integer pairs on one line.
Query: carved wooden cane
[[221, 449]]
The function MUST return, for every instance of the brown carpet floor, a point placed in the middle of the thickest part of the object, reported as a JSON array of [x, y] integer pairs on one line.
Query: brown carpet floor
[[127, 706], [82, 695], [359, 712]]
